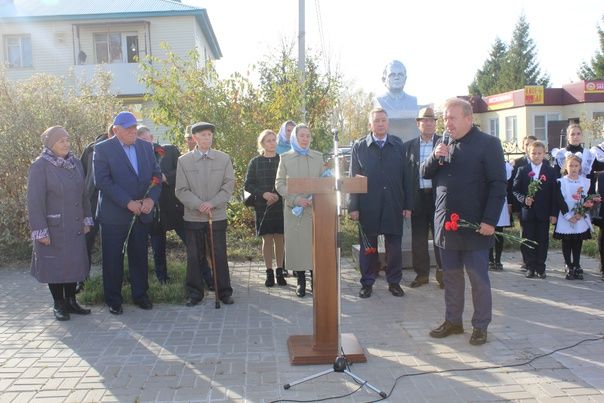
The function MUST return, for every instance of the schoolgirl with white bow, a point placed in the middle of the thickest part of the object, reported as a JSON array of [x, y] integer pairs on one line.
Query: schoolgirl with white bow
[[574, 223]]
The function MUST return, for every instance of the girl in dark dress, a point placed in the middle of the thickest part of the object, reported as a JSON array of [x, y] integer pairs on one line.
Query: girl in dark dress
[[260, 182]]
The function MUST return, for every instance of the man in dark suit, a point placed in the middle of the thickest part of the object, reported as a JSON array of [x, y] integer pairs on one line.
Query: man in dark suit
[[539, 211], [125, 171], [380, 157], [470, 181], [422, 220]]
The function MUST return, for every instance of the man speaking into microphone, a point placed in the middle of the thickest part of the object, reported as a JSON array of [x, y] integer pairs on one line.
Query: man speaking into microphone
[[469, 178]]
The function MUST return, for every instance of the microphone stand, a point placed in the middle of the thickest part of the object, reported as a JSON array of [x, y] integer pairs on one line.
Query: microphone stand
[[340, 364]]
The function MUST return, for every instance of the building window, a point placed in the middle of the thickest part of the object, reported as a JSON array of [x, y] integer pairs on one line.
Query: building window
[[540, 125], [510, 128], [17, 51], [116, 47], [494, 127]]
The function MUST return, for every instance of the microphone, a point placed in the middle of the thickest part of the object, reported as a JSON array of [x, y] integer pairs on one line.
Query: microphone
[[446, 139]]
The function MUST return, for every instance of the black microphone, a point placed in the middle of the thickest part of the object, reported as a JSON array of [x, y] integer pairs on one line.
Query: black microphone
[[446, 139]]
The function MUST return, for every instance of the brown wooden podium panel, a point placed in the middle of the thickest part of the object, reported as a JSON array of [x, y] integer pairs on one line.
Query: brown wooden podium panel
[[302, 352], [322, 346]]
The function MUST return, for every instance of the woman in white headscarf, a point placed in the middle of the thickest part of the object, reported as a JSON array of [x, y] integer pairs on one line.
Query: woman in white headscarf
[[299, 162], [284, 135]]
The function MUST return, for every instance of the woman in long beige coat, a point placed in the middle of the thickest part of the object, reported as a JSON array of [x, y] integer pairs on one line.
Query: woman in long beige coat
[[300, 162]]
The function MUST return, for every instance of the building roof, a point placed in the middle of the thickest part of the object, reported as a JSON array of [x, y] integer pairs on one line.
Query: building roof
[[53, 10]]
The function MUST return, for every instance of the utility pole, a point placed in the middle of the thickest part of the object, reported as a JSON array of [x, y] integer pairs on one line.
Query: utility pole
[[301, 53]]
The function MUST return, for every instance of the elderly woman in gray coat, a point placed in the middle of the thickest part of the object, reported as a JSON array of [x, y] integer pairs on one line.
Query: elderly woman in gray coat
[[59, 218], [299, 162]]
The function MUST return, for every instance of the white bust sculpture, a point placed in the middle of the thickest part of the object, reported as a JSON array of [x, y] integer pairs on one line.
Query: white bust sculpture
[[397, 103]]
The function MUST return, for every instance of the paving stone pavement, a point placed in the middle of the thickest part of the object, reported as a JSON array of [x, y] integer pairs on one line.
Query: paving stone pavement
[[238, 353]]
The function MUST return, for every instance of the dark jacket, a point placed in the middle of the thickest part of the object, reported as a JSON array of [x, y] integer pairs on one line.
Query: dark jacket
[[518, 163], [389, 189], [472, 185], [170, 208], [118, 183], [544, 206], [411, 152]]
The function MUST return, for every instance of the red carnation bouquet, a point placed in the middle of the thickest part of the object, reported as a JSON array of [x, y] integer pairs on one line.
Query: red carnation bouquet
[[155, 181], [535, 185], [159, 151], [584, 202], [369, 250], [455, 223]]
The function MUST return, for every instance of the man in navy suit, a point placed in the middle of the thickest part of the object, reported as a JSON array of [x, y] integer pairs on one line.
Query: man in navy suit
[[124, 168]]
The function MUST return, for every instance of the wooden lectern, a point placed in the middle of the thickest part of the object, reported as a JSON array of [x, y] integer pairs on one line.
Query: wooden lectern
[[322, 346]]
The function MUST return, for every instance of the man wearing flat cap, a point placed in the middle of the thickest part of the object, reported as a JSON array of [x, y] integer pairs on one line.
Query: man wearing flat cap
[[422, 218], [124, 170], [205, 181]]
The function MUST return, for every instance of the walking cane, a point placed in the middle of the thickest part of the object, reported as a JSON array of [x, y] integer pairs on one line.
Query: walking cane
[[217, 303]]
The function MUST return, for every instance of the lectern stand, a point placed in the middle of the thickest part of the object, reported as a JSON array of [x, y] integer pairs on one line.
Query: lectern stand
[[322, 346]]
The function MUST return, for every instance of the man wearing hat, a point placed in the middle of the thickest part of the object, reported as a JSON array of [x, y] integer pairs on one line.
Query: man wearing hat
[[422, 219], [124, 168], [205, 181]]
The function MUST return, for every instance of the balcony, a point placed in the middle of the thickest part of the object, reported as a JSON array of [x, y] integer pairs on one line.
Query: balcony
[[125, 76]]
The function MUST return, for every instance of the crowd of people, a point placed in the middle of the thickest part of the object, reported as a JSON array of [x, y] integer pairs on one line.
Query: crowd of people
[[459, 188]]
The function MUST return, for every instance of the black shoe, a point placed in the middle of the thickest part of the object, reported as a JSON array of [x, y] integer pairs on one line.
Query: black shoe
[[365, 291], [227, 300], [419, 281], [193, 301], [542, 276], [116, 309], [492, 266], [74, 307], [578, 273], [479, 337], [145, 304], [446, 329], [578, 269], [301, 288], [530, 274], [498, 267], [270, 278], [396, 289], [60, 311], [280, 276]]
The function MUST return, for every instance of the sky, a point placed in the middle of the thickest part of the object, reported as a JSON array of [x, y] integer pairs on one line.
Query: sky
[[442, 43]]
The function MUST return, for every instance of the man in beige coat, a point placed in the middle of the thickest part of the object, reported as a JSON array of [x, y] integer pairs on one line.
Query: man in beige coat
[[204, 184]]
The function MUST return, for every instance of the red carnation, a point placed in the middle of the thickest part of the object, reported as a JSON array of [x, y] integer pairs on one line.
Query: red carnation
[[454, 226], [454, 217], [543, 178], [576, 196], [448, 226], [531, 174], [155, 181]]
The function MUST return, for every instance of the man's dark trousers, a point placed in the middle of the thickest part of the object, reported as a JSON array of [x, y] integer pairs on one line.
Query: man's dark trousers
[[394, 260], [195, 235], [476, 263], [422, 221], [113, 237]]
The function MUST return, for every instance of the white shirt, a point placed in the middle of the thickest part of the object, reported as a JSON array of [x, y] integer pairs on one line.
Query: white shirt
[[536, 169]]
